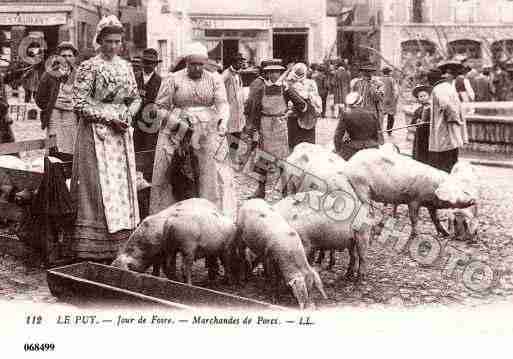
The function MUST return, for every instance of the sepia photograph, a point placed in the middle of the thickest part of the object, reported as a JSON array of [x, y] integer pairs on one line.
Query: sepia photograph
[[218, 167]]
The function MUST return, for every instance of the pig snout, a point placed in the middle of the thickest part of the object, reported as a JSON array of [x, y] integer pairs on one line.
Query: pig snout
[[465, 228], [127, 262]]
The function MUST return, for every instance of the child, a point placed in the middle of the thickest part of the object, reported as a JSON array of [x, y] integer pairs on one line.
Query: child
[[422, 114]]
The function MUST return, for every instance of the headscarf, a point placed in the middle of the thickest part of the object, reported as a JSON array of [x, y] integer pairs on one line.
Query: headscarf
[[106, 24], [298, 72]]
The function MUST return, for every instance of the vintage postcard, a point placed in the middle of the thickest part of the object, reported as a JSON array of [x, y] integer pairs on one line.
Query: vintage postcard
[[264, 171]]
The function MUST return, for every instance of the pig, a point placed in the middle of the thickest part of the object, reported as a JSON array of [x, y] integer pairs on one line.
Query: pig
[[270, 237], [320, 230], [317, 167], [463, 224], [311, 161], [194, 227], [393, 178]]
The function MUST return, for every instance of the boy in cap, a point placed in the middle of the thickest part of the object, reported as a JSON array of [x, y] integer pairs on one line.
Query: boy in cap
[[422, 115]]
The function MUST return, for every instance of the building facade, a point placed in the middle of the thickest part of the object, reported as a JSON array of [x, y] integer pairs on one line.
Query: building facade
[[479, 29], [53, 21], [288, 29]]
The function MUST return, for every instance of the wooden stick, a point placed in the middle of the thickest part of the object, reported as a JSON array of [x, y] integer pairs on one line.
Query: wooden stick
[[404, 127]]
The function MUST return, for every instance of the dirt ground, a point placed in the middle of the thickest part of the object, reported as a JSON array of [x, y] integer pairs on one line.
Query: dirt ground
[[393, 278]]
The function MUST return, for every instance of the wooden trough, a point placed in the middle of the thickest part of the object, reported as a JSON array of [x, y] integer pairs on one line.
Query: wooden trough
[[54, 252], [92, 284]]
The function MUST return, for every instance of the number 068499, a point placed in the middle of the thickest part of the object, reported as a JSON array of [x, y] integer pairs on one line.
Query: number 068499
[[39, 347]]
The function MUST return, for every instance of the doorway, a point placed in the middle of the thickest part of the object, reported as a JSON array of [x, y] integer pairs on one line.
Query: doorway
[[230, 50], [290, 47]]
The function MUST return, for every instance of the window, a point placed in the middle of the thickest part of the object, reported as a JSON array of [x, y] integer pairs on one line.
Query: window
[[417, 9], [464, 11], [126, 29], [133, 3], [506, 11], [163, 54]]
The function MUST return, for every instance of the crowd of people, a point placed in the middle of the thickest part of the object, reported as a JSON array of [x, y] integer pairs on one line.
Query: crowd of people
[[105, 109]]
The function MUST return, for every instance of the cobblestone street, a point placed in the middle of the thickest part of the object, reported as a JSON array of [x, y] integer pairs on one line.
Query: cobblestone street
[[393, 278]]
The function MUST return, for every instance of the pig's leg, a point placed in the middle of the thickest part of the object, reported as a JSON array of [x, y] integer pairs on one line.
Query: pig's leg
[[436, 221], [211, 264], [362, 244], [351, 268], [332, 259], [311, 255], [170, 267], [228, 266], [156, 269], [413, 209], [188, 260], [320, 259]]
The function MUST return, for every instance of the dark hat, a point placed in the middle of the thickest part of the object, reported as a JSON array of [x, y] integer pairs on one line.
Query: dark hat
[[434, 76], [238, 57], [66, 45], [452, 67], [150, 56], [419, 88], [272, 64], [386, 70]]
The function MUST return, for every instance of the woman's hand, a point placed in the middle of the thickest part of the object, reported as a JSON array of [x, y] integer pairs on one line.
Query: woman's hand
[[118, 125], [221, 128]]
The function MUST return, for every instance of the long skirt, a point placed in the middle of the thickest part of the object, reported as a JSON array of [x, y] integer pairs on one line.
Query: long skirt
[[63, 124], [420, 150], [445, 160], [298, 135], [91, 238], [215, 172]]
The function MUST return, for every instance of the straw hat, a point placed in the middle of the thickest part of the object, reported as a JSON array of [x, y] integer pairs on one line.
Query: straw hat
[[196, 51], [272, 65]]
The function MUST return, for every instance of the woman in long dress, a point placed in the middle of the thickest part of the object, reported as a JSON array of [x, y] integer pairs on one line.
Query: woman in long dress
[[195, 95], [103, 184]]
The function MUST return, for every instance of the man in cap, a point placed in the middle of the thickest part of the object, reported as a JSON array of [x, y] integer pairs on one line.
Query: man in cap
[[146, 124], [483, 86], [192, 101], [390, 97], [54, 98], [266, 116], [501, 83], [372, 92], [340, 85], [358, 128], [233, 83], [448, 128]]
